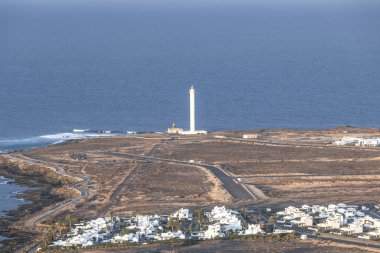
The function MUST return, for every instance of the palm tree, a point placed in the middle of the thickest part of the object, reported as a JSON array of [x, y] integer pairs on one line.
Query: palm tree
[[244, 212], [171, 223], [112, 215], [61, 225], [48, 238], [68, 219]]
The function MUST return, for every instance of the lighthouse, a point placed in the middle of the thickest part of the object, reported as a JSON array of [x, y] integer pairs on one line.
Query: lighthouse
[[192, 130], [192, 109]]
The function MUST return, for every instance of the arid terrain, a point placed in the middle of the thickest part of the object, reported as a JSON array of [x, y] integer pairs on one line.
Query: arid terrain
[[159, 172], [257, 246]]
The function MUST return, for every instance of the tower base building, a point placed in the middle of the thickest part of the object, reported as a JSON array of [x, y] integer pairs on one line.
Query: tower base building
[[175, 130]]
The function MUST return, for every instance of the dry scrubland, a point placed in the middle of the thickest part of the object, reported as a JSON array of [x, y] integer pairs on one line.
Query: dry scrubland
[[289, 167], [258, 246], [293, 166], [123, 186]]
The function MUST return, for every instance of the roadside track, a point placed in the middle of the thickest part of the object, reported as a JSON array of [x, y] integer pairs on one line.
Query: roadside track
[[77, 186], [237, 190]]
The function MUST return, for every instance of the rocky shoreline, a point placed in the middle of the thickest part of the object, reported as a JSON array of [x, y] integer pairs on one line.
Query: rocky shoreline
[[44, 191]]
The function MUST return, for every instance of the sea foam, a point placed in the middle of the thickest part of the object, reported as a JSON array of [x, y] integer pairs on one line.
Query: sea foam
[[7, 145]]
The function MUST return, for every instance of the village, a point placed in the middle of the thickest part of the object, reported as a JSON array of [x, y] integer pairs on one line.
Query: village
[[221, 222], [341, 219], [358, 141]]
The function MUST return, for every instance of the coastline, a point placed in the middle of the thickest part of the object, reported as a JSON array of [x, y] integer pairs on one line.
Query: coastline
[[11, 195], [42, 192], [42, 167]]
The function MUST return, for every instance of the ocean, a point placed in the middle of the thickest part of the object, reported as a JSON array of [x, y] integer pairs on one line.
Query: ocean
[[128, 66], [9, 199], [112, 67]]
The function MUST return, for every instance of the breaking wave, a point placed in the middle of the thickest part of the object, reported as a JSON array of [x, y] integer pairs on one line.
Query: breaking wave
[[4, 180], [9, 145]]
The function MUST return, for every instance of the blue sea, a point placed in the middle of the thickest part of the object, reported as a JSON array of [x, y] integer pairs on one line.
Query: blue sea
[[127, 66], [112, 67], [9, 198]]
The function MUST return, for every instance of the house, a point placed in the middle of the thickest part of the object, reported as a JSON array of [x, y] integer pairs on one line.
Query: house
[[376, 223], [167, 236], [350, 212], [142, 221], [374, 234], [213, 231], [122, 238], [196, 235], [334, 222], [306, 221], [353, 228], [227, 218], [282, 231], [306, 208], [369, 142], [332, 208], [180, 235], [250, 136], [182, 214], [175, 130], [253, 229]]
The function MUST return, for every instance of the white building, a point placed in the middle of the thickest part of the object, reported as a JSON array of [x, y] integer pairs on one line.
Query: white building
[[250, 136], [306, 221], [353, 228], [213, 231], [253, 229], [167, 236], [363, 142], [192, 130], [182, 214], [374, 234], [227, 218], [88, 233]]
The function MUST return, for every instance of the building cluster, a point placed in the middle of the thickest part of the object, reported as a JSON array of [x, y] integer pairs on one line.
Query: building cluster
[[224, 221], [217, 223], [90, 232], [340, 219], [221, 222], [356, 141]]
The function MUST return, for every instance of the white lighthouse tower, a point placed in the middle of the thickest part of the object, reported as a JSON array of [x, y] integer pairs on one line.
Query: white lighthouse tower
[[192, 110], [192, 130]]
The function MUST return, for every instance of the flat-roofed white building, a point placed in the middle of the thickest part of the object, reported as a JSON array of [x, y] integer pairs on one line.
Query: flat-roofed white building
[[250, 136], [192, 130]]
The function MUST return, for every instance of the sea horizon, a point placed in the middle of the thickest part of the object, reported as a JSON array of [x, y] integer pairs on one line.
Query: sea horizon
[[254, 66]]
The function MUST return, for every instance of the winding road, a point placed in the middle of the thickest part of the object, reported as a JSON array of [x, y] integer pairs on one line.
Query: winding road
[[237, 190], [77, 186], [84, 193]]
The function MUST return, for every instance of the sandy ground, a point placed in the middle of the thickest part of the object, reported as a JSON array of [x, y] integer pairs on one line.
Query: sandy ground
[[257, 246], [286, 165], [281, 167]]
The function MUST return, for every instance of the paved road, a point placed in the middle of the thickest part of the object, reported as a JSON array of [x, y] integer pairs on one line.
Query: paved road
[[348, 241], [374, 214], [84, 193], [237, 191]]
